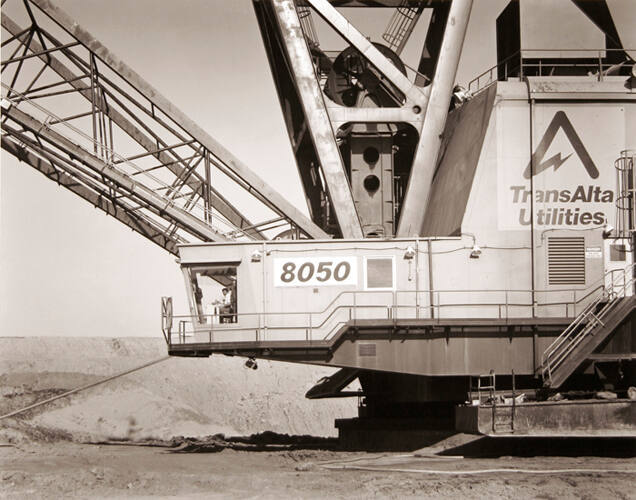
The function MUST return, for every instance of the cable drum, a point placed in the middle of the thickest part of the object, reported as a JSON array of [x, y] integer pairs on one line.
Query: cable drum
[[353, 77]]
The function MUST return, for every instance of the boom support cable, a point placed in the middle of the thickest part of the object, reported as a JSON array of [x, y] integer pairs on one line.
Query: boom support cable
[[83, 388]]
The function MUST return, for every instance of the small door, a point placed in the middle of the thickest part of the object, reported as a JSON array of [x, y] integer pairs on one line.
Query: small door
[[618, 259]]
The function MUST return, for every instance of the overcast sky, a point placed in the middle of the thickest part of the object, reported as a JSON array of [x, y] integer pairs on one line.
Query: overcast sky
[[68, 269]]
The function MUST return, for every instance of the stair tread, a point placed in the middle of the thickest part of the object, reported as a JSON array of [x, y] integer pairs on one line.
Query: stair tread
[[617, 311]]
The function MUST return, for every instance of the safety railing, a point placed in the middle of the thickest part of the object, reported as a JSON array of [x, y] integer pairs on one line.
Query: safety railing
[[354, 307], [550, 62], [401, 26], [620, 285], [626, 189]]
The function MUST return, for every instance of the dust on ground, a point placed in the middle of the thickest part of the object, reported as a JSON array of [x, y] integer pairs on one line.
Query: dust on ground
[[71, 470], [118, 440], [190, 397]]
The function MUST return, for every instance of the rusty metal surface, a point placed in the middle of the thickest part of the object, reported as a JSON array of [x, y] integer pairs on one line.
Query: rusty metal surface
[[419, 186]]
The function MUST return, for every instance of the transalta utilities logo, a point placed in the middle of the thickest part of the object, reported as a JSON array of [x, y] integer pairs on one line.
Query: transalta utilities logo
[[568, 188]]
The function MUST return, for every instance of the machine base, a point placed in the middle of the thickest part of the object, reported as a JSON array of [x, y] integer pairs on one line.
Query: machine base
[[562, 418], [592, 419]]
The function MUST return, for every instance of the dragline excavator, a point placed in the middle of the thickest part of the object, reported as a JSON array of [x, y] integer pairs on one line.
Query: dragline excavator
[[468, 253]]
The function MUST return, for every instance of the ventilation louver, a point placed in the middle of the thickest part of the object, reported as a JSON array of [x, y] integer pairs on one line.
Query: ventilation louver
[[566, 261]]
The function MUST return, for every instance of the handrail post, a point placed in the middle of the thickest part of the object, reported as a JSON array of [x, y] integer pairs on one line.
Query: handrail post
[[311, 330], [506, 294], [439, 312], [355, 307], [394, 308]]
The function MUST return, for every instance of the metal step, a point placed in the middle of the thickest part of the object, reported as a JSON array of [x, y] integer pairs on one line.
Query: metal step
[[618, 311]]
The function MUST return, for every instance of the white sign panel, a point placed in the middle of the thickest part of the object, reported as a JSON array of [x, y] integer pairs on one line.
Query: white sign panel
[[593, 253], [315, 271], [565, 182]]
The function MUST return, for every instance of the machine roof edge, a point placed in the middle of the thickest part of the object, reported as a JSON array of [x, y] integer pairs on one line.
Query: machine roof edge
[[311, 241], [611, 87]]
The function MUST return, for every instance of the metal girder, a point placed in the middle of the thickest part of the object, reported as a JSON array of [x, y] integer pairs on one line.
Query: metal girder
[[160, 204], [338, 22], [317, 117], [232, 165], [339, 115], [118, 210], [420, 180], [432, 43], [372, 3], [217, 201]]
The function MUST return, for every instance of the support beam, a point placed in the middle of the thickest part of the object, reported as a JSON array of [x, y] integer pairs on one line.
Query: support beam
[[257, 185], [340, 115], [313, 103], [421, 178], [217, 201], [338, 22], [131, 219], [163, 206], [432, 43]]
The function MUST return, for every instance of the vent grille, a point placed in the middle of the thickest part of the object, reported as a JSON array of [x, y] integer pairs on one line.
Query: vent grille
[[366, 349], [566, 261]]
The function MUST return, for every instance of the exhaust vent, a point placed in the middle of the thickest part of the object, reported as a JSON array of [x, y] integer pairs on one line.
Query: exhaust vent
[[566, 261]]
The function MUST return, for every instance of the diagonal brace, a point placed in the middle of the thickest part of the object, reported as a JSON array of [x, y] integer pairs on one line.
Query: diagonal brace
[[338, 22]]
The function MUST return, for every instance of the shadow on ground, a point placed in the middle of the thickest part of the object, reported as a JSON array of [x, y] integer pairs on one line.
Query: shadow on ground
[[495, 447], [264, 441]]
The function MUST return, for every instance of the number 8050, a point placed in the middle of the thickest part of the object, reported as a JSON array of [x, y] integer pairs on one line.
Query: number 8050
[[322, 271]]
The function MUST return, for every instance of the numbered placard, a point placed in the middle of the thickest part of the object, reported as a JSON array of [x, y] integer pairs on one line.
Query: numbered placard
[[315, 271]]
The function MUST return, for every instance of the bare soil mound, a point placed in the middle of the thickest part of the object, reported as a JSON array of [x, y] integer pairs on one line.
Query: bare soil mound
[[186, 397]]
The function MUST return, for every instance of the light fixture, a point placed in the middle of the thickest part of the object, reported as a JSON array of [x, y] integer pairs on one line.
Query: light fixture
[[251, 363], [475, 252], [409, 254], [257, 256], [607, 230]]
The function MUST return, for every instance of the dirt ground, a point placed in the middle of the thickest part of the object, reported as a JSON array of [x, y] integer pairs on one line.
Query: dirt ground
[[59, 450], [180, 396], [71, 470]]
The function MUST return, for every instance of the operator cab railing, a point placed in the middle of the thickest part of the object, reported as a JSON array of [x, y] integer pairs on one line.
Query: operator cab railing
[[351, 307]]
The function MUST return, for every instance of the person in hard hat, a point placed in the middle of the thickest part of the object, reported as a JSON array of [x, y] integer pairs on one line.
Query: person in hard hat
[[226, 305], [198, 298], [459, 97]]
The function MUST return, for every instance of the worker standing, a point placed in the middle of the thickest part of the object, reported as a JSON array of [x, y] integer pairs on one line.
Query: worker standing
[[226, 305]]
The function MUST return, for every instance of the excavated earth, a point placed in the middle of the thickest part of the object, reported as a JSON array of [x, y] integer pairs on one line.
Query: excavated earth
[[210, 428], [180, 396]]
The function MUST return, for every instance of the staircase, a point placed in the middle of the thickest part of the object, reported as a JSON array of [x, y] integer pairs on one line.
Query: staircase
[[590, 328]]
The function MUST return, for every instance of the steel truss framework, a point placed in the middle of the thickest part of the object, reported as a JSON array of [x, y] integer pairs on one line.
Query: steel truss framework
[[79, 115], [314, 119]]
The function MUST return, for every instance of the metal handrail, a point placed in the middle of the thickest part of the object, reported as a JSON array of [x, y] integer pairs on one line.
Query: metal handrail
[[519, 56], [391, 308], [556, 353]]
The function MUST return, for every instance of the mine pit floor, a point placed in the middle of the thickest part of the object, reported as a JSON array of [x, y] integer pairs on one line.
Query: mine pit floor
[[68, 470]]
